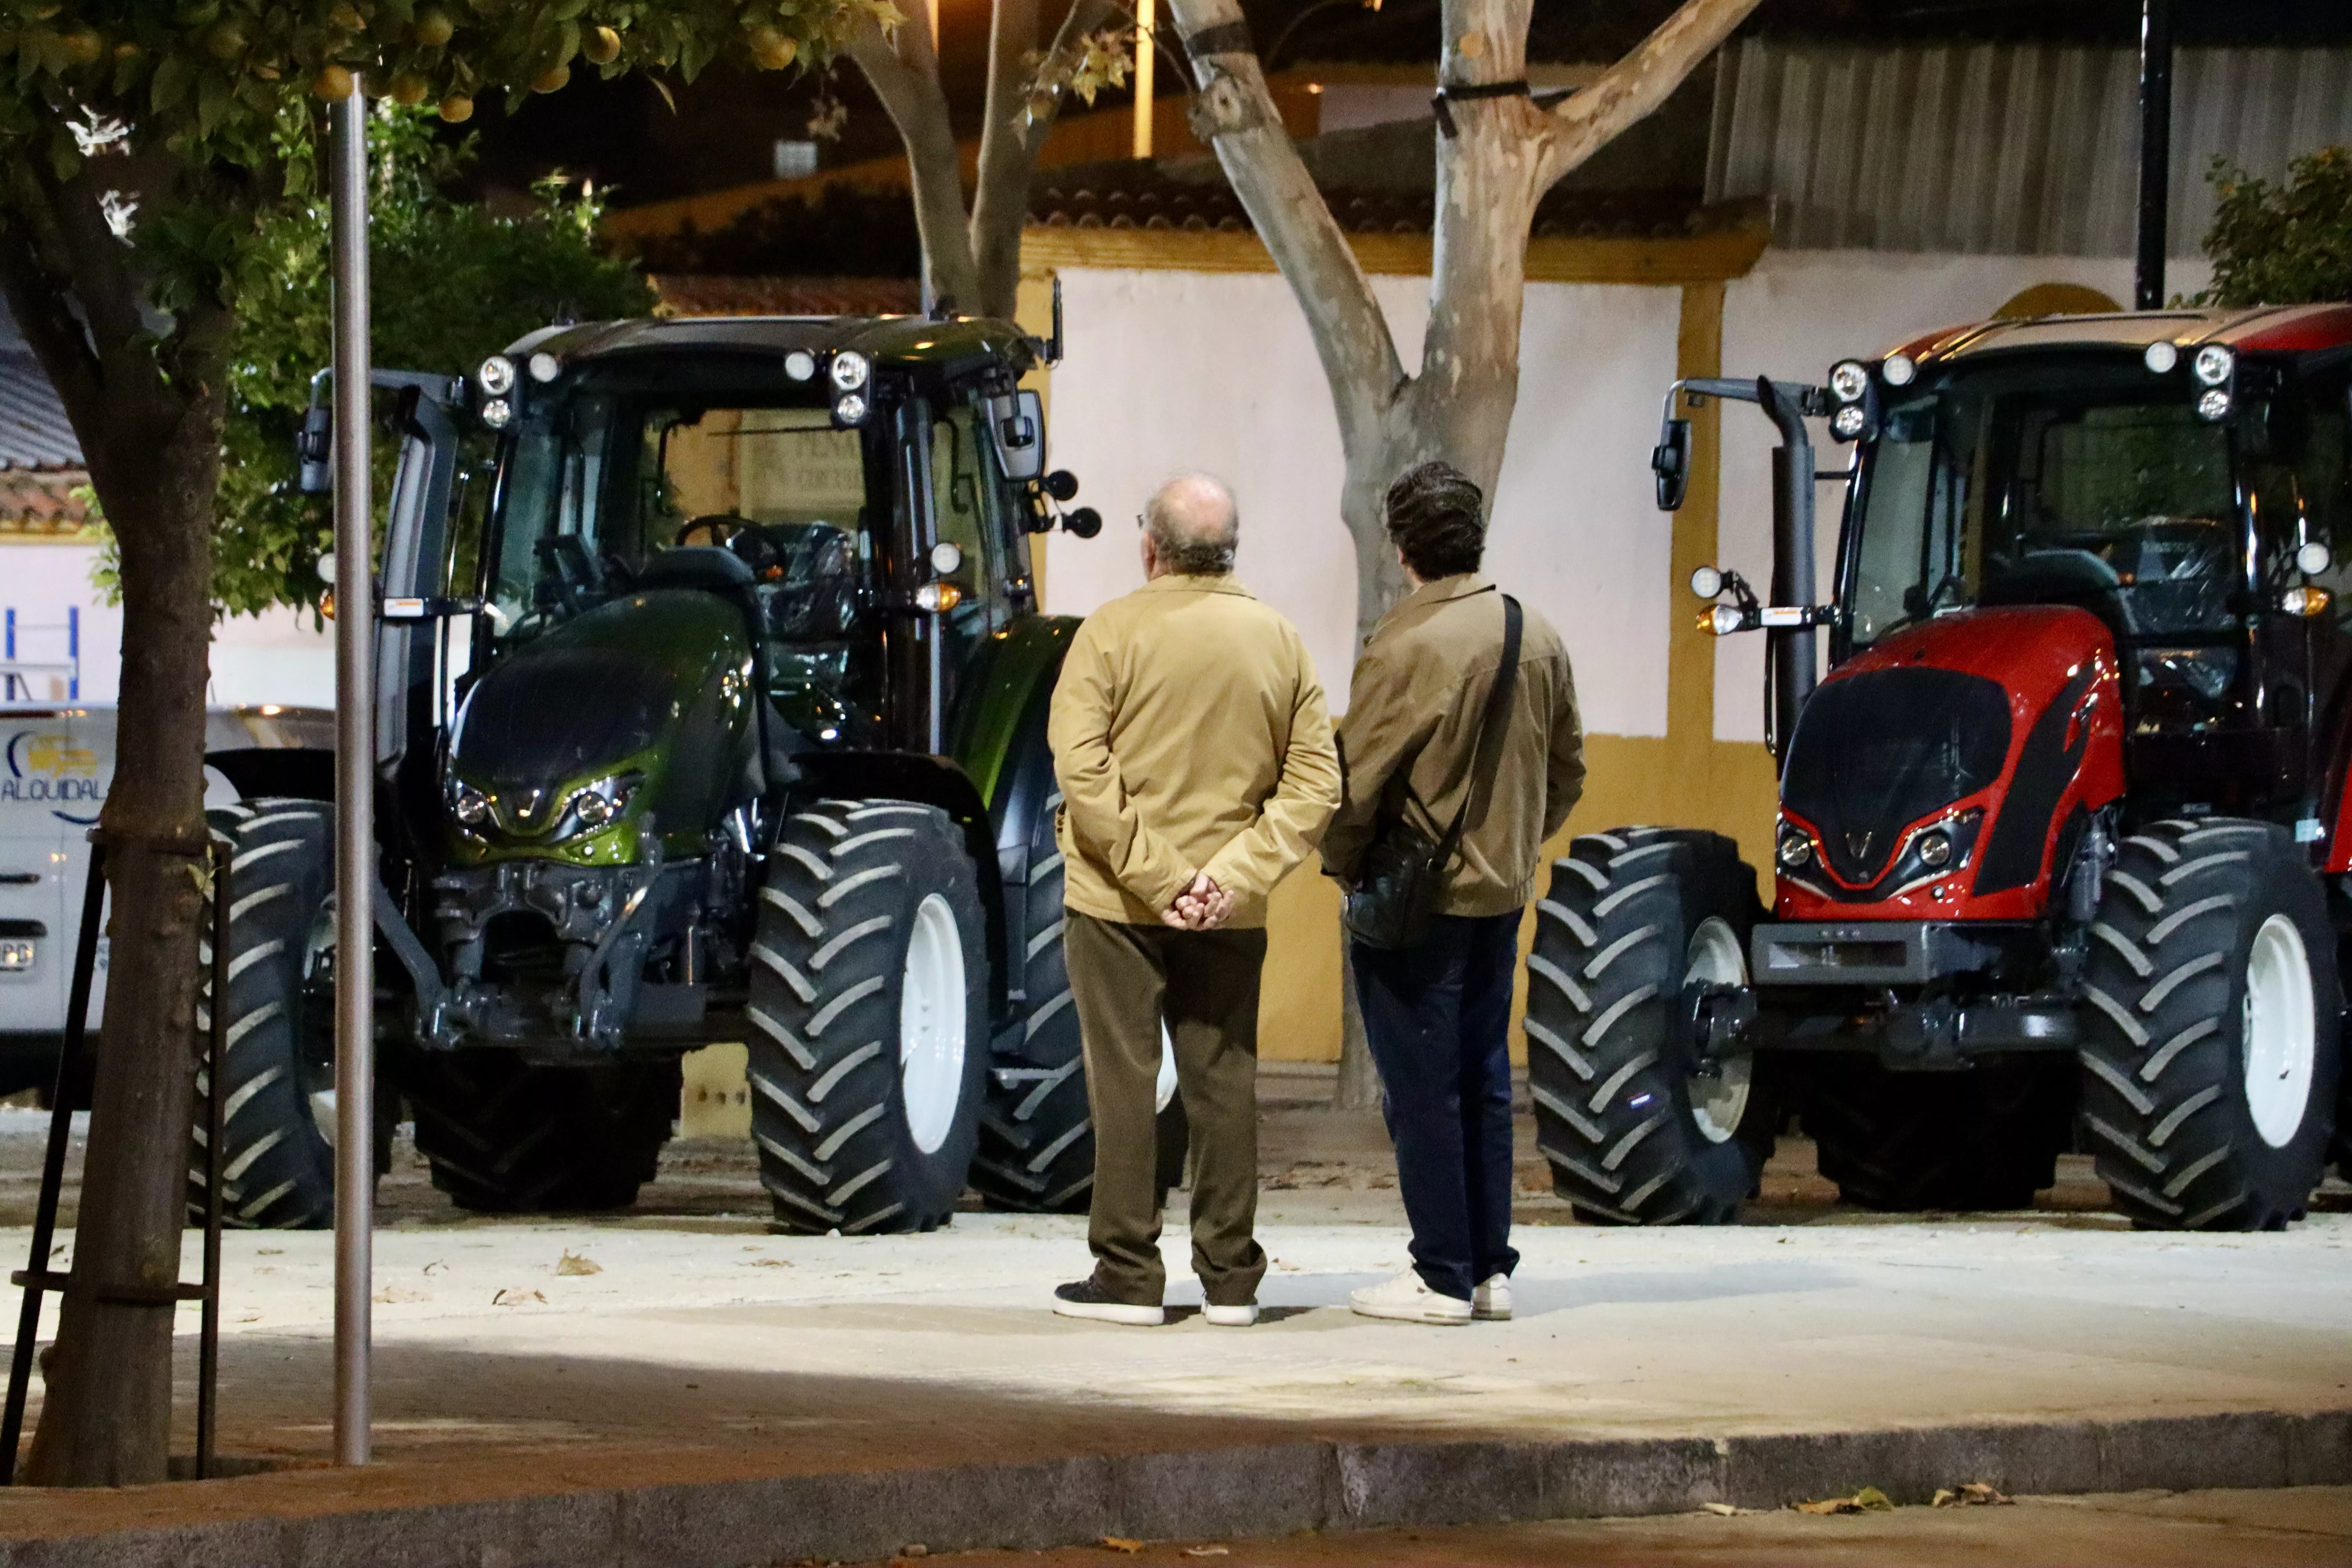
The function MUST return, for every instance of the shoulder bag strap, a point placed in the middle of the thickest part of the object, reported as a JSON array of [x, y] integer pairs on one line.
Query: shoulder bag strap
[[1492, 726]]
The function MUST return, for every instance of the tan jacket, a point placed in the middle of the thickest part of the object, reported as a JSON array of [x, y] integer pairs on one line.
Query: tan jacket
[[1190, 734], [1413, 707]]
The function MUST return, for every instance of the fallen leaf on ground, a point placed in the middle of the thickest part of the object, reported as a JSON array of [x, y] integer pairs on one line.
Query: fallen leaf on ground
[[515, 1296], [572, 1263], [1725, 1508], [1869, 1500], [1973, 1493], [392, 1294], [771, 1263], [1120, 1543], [1207, 1552]]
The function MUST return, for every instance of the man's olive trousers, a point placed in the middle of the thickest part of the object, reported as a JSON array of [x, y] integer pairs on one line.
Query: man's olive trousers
[[1123, 978]]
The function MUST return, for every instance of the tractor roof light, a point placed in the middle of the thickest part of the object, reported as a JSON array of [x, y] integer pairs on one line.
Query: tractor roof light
[[1850, 380], [2214, 365], [1707, 581], [497, 413], [2312, 557], [800, 364], [850, 370], [1896, 370], [2214, 404], [849, 408], [496, 375], [1848, 422], [545, 367], [2160, 357]]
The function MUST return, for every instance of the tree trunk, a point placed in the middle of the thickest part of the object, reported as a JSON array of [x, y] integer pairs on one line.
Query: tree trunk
[[904, 69], [149, 419]]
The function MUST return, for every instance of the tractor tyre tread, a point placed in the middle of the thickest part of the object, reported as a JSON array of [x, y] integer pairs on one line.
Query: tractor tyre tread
[[505, 1136]]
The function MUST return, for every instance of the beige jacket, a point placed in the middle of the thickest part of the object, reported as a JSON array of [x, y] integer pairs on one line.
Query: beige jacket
[[1190, 734], [1413, 707]]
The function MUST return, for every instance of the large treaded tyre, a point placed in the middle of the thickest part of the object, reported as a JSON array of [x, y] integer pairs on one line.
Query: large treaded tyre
[[868, 1015], [276, 1168], [505, 1136], [2210, 1031], [1899, 1142], [1036, 1140], [1634, 1136]]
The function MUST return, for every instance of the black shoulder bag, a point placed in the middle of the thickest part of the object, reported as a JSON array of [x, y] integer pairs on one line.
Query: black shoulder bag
[[1402, 879]]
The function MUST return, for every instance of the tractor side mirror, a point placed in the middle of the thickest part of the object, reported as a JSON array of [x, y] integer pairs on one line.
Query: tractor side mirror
[[314, 448], [1016, 420], [1061, 484], [1083, 523], [1670, 462]]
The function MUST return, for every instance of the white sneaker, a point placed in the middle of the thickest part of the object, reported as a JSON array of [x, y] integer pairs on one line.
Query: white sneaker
[[1409, 1300], [1240, 1317], [1491, 1302]]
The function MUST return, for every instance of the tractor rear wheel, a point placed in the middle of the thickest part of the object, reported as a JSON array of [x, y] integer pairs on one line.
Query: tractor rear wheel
[[1988, 1138], [868, 1014], [1635, 1132], [276, 1169], [2209, 1038], [505, 1136]]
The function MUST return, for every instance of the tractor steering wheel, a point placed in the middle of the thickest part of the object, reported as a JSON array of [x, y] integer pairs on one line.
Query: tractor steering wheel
[[717, 528]]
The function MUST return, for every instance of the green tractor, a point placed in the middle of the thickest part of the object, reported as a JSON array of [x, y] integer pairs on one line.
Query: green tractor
[[710, 706]]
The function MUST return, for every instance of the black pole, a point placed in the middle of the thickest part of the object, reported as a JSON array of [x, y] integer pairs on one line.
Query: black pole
[[1792, 650], [2155, 151]]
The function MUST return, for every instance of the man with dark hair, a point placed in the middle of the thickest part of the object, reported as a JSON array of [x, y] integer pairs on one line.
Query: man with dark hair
[[1416, 758], [1194, 755]]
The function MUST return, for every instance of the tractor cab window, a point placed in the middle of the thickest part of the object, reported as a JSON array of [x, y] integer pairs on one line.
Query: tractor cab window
[[2014, 485], [603, 482]]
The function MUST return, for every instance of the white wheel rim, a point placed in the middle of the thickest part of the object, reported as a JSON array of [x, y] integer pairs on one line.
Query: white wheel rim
[[2281, 1031], [931, 1008], [1165, 1090], [1718, 1099]]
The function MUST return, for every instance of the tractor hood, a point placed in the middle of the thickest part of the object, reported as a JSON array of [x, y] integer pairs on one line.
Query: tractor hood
[[644, 698], [1987, 728]]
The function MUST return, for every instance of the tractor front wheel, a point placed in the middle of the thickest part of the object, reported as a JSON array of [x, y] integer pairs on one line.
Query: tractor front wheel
[[2210, 1029], [505, 1136], [1636, 1129], [868, 1014]]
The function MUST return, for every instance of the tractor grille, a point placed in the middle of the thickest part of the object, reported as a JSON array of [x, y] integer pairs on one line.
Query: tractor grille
[[1875, 751]]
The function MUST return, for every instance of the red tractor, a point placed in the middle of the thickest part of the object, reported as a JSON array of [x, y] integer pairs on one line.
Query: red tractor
[[2065, 836]]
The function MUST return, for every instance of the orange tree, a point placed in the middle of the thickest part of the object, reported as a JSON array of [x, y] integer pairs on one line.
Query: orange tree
[[143, 144]]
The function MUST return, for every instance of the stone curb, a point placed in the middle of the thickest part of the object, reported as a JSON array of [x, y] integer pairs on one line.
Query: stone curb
[[1223, 1493]]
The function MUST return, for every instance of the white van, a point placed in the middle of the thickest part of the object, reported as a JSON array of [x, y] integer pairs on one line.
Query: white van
[[56, 763]]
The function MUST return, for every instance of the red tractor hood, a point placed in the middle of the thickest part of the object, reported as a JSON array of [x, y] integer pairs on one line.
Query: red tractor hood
[[1942, 774]]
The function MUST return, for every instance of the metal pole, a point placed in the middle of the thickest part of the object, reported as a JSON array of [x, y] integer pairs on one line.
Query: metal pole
[[354, 790], [2155, 151], [1147, 17]]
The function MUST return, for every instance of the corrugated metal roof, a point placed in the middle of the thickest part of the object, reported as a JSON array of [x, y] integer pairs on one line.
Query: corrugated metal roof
[[34, 431], [2003, 149]]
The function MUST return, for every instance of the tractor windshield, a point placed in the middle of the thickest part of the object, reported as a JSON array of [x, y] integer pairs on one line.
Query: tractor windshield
[[2026, 483]]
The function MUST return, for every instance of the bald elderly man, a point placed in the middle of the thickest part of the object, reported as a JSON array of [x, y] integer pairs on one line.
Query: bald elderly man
[[1194, 753]]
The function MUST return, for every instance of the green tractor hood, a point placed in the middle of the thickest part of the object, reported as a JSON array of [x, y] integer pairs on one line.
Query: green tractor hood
[[634, 717]]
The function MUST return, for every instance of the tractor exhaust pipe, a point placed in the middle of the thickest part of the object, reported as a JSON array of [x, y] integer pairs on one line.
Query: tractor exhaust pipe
[[1790, 652]]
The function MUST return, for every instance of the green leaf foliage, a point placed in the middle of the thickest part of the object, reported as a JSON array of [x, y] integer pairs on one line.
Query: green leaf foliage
[[2286, 244]]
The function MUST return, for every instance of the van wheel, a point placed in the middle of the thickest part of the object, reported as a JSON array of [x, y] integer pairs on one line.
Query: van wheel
[[1635, 1132], [2211, 1041], [868, 1037], [276, 1168]]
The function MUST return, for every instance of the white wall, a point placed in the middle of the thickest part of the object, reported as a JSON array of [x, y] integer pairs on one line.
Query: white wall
[[1791, 317], [274, 658], [1168, 371]]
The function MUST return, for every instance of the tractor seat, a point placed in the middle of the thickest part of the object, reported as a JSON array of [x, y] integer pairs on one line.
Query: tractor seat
[[2075, 577], [696, 566]]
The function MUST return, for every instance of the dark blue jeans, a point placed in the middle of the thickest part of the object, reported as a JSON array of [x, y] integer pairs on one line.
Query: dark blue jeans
[[1438, 1015]]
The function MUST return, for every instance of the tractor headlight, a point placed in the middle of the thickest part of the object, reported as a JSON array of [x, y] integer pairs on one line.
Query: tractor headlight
[[2213, 404], [1847, 422], [849, 408], [1796, 847], [1850, 380], [496, 375], [600, 805], [498, 414], [1896, 370], [2214, 365], [469, 805], [1935, 848], [850, 370]]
